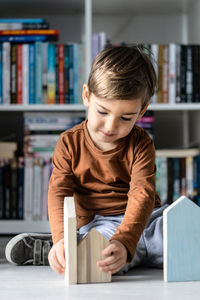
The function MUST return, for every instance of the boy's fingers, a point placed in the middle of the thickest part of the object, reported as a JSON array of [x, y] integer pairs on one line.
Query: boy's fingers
[[54, 263], [61, 256], [108, 261], [109, 250]]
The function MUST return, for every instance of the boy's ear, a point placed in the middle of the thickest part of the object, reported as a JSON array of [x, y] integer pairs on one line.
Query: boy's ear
[[142, 112], [85, 95]]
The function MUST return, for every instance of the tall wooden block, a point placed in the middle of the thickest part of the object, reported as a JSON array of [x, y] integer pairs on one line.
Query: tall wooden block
[[181, 235], [89, 252], [81, 260], [70, 241]]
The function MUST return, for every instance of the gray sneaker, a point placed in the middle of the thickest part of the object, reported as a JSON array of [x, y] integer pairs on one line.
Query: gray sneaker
[[29, 249]]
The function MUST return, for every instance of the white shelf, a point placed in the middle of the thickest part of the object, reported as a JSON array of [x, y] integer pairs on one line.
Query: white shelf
[[81, 107], [43, 107], [175, 107], [19, 226]]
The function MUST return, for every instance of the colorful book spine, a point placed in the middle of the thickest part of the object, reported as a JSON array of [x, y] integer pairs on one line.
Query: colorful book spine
[[61, 74], [19, 74], [31, 74], [38, 72], [51, 81], [6, 73], [1, 74], [13, 71], [25, 74]]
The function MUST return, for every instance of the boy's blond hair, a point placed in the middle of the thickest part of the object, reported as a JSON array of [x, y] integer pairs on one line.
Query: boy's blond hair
[[124, 73]]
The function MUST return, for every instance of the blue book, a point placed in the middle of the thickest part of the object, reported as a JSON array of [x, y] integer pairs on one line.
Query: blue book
[[66, 73], [38, 73], [31, 74], [73, 73], [23, 38], [20, 204], [1, 81], [21, 20]]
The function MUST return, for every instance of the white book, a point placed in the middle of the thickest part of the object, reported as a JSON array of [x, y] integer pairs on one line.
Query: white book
[[6, 73], [28, 188], [154, 50], [45, 174], [25, 74], [37, 189], [172, 73], [102, 40]]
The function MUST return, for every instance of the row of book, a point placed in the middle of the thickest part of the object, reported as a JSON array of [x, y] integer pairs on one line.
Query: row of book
[[24, 188], [178, 173], [24, 182], [41, 73], [178, 71]]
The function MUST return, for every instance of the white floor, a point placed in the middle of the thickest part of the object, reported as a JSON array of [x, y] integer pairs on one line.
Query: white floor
[[29, 282]]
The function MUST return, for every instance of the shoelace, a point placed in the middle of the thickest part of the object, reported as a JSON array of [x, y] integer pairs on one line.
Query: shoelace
[[40, 252]]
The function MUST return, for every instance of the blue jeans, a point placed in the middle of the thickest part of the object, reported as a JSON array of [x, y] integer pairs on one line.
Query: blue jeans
[[149, 251]]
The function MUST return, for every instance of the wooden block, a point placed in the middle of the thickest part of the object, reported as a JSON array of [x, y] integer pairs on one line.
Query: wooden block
[[181, 235], [89, 252], [70, 241]]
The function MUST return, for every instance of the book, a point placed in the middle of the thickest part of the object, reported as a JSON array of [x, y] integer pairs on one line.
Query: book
[[6, 73], [20, 195], [22, 20], [25, 74], [51, 79], [31, 74], [172, 73], [19, 74], [38, 73], [61, 88], [50, 32], [13, 71], [14, 189]]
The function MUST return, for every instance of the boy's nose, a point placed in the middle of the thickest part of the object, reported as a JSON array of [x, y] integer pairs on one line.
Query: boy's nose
[[110, 125]]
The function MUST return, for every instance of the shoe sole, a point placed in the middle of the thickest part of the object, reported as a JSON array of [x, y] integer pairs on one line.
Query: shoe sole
[[18, 238]]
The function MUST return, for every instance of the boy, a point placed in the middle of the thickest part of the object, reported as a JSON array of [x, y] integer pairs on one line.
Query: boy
[[108, 165]]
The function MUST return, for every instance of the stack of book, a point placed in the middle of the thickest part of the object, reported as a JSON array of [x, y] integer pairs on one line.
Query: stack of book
[[33, 69], [178, 173], [42, 131]]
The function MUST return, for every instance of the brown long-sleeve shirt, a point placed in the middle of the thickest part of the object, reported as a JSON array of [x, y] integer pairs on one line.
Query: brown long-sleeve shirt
[[121, 180]]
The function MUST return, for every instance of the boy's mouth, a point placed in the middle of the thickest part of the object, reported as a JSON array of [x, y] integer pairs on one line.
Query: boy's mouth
[[107, 134]]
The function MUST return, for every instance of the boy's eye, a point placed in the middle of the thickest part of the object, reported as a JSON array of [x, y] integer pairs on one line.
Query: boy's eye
[[125, 119], [102, 112]]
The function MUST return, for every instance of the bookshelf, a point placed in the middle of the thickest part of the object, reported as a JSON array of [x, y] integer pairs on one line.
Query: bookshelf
[[142, 21]]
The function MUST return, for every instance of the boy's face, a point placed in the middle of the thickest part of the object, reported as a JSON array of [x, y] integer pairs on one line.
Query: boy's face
[[110, 120]]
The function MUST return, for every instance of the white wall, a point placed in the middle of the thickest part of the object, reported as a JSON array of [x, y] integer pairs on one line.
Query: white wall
[[142, 28]]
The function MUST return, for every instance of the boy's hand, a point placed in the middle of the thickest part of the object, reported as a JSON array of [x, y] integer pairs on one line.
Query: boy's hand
[[57, 257], [115, 257]]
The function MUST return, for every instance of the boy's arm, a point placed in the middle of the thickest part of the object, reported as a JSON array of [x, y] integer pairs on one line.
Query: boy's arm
[[141, 196], [60, 185]]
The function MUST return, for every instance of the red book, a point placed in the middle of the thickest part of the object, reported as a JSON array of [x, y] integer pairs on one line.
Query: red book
[[19, 74], [30, 32], [61, 93]]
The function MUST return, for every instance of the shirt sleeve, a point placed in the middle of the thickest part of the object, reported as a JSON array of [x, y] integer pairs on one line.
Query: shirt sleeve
[[60, 185], [141, 195]]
